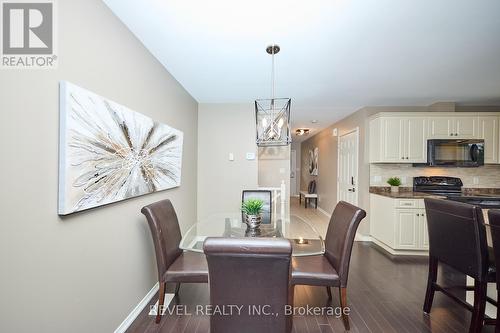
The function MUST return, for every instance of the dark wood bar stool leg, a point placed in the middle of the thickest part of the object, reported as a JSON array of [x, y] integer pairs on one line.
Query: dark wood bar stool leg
[[329, 292], [497, 324], [431, 280], [477, 320]]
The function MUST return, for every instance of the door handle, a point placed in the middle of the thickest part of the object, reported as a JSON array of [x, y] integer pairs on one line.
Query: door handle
[[352, 190], [352, 180]]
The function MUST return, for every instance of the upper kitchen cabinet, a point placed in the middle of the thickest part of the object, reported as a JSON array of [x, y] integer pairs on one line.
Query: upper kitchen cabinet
[[488, 131], [453, 127], [395, 139]]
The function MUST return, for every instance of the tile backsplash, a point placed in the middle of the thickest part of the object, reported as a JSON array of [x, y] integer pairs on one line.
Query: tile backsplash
[[487, 176]]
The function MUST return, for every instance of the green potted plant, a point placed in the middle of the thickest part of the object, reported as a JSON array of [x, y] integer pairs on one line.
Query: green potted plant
[[395, 182], [253, 212]]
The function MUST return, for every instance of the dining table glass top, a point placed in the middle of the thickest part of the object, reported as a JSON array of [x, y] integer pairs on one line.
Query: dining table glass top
[[305, 239]]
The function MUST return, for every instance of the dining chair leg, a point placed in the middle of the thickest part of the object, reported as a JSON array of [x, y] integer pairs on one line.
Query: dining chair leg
[[343, 305], [329, 292], [497, 323], [161, 300], [477, 319], [431, 280], [177, 287]]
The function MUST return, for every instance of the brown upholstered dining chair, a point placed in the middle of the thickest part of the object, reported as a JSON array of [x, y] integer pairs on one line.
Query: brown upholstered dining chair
[[332, 268], [174, 265], [494, 221], [253, 273], [457, 238]]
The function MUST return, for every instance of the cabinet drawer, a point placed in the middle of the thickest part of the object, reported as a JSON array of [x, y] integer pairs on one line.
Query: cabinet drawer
[[407, 203]]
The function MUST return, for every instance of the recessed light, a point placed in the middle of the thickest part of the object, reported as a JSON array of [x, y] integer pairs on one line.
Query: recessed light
[[314, 121], [302, 131]]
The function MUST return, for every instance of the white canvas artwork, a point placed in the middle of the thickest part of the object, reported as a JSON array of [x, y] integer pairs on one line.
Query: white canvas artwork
[[109, 153], [313, 161]]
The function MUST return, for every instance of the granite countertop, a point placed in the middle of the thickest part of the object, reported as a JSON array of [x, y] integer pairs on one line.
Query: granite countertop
[[404, 193]]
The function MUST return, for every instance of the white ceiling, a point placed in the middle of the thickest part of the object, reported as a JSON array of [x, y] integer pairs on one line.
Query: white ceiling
[[336, 55]]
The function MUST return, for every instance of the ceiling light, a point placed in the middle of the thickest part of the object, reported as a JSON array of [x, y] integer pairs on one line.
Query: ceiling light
[[273, 115], [302, 131]]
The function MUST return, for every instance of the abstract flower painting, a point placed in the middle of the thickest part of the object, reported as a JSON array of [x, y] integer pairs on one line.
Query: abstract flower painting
[[110, 153]]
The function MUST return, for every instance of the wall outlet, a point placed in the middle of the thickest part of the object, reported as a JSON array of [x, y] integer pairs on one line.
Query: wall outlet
[[282, 170], [250, 156], [475, 180], [404, 180], [231, 156], [377, 179]]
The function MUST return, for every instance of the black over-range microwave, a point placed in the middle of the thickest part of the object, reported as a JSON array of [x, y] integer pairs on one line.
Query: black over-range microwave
[[456, 152]]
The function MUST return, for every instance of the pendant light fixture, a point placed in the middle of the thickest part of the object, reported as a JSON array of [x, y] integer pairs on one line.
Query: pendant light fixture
[[273, 115]]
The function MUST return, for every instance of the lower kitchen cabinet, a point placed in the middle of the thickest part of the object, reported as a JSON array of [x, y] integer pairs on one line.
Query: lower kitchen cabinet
[[399, 225]]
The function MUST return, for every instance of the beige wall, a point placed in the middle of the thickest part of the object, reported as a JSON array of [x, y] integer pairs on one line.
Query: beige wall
[[224, 129], [86, 272], [327, 168], [274, 167]]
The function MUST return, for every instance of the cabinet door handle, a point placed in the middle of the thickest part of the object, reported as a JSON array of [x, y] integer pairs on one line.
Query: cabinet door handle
[[451, 134], [406, 157]]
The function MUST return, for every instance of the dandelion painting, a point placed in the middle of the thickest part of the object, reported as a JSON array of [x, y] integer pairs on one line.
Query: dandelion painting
[[110, 153]]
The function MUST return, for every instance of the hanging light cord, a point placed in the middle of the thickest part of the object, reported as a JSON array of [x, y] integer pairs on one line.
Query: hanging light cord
[[272, 73]]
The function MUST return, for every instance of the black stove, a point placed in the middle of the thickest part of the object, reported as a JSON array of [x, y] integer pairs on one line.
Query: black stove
[[451, 188]]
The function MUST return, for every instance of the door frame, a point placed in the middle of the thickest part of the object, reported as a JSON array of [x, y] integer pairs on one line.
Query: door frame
[[356, 186]]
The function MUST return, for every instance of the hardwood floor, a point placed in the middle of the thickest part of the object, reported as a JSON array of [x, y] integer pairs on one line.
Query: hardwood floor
[[385, 294]]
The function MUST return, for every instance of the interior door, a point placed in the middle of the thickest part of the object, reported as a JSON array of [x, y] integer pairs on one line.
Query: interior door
[[293, 172], [347, 178]]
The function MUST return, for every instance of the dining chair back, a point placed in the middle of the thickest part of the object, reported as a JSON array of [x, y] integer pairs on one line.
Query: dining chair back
[[254, 275], [457, 238], [340, 236], [494, 224], [165, 232], [174, 265]]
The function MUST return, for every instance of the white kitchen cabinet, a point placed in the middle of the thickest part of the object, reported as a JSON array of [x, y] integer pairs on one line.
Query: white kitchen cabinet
[[399, 225], [415, 136], [450, 127], [392, 139], [398, 140], [424, 233], [407, 224], [488, 131]]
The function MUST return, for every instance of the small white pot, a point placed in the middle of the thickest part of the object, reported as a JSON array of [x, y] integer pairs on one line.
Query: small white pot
[[394, 189]]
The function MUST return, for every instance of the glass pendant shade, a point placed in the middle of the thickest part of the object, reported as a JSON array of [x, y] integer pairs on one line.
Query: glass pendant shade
[[273, 121]]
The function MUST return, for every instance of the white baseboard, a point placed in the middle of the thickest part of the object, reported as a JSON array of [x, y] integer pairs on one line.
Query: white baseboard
[[362, 238], [400, 252], [138, 309], [324, 212]]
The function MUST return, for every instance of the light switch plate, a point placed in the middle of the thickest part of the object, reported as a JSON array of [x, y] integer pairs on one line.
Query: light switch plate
[[231, 156], [475, 180], [250, 156]]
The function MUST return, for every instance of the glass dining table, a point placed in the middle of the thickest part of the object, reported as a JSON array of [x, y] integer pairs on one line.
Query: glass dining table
[[305, 239]]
